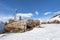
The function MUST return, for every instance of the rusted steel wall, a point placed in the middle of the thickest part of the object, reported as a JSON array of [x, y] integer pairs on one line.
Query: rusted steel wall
[[22, 25], [34, 23], [15, 25]]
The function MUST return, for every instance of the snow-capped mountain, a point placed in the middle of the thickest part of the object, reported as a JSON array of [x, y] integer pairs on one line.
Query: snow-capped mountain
[[56, 17]]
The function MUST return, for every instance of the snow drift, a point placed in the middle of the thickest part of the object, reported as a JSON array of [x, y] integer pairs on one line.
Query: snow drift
[[49, 32]]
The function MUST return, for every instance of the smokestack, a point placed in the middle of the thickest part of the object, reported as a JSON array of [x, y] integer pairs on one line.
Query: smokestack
[[20, 18], [15, 14]]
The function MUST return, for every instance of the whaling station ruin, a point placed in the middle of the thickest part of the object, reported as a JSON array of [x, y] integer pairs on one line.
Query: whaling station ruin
[[20, 25]]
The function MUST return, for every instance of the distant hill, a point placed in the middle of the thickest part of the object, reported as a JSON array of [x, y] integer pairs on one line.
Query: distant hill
[[56, 17]]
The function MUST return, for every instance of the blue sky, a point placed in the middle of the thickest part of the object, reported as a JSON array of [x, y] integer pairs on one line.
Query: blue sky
[[42, 9]]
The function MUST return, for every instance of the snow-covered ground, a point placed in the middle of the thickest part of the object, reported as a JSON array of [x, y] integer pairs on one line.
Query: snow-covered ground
[[48, 32]]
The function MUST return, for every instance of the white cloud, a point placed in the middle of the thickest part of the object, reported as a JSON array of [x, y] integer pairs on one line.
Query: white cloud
[[24, 15], [6, 18], [36, 12], [58, 12], [46, 13]]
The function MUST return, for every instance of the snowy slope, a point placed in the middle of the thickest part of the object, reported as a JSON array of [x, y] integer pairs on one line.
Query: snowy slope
[[49, 32], [56, 17]]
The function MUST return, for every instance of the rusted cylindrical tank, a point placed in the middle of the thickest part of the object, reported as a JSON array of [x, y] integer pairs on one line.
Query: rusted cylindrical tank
[[2, 30], [16, 26]]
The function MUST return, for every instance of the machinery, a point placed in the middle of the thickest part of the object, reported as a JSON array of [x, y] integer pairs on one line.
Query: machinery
[[20, 25]]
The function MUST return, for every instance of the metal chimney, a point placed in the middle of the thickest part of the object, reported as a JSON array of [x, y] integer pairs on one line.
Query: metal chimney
[[20, 18], [15, 14]]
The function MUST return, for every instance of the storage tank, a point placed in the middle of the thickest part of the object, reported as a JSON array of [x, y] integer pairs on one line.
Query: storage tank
[[2, 27]]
